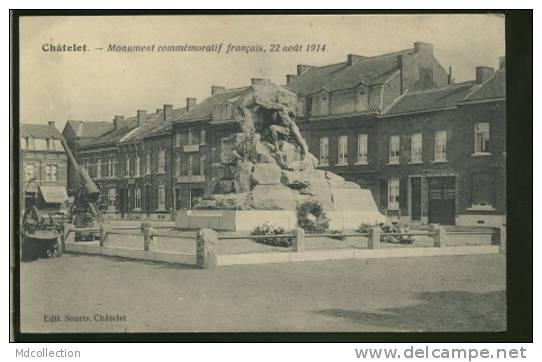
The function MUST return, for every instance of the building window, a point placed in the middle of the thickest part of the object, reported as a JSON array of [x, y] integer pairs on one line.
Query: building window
[[320, 105], [202, 165], [342, 151], [301, 106], [137, 197], [202, 137], [324, 151], [31, 144], [127, 167], [161, 197], [190, 164], [148, 162], [482, 189], [137, 166], [111, 199], [178, 165], [227, 110], [393, 194], [29, 171], [481, 137], [84, 164], [416, 148], [50, 144], [440, 146], [98, 168], [58, 145], [178, 139], [110, 167], [362, 149], [189, 136], [41, 144], [225, 143], [24, 143], [162, 161], [51, 172], [395, 143]]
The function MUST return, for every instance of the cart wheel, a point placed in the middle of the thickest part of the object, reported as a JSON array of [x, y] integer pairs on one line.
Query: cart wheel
[[53, 250]]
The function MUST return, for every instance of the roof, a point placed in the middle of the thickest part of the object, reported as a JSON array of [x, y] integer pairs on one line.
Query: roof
[[370, 70], [494, 87], [205, 109], [114, 136], [90, 129], [53, 194], [430, 99], [39, 131], [159, 127]]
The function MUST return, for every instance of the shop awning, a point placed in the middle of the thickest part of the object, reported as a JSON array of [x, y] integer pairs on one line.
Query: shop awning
[[53, 194]]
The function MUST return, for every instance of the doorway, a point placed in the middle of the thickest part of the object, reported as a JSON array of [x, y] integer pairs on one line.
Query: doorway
[[442, 200], [177, 199], [195, 193], [148, 199], [416, 198]]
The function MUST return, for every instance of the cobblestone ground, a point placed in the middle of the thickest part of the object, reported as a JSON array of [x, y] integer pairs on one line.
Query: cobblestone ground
[[460, 293]]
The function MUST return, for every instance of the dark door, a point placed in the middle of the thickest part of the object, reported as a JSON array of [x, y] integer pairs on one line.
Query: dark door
[[122, 201], [442, 200], [177, 198], [195, 193], [148, 199], [416, 198]]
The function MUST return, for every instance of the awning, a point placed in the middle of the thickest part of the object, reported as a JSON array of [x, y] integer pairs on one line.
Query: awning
[[53, 194]]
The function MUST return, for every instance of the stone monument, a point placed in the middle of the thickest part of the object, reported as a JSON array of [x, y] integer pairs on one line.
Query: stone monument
[[267, 170]]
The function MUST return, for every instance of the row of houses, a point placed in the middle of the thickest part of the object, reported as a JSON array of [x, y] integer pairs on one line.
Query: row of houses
[[430, 150]]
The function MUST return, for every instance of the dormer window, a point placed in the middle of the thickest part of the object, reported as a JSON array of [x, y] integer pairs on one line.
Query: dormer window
[[320, 105]]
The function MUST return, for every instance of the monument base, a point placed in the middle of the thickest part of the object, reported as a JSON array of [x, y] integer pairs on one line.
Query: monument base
[[234, 220], [248, 220]]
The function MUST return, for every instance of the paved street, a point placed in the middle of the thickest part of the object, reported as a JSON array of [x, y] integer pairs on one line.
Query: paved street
[[410, 294]]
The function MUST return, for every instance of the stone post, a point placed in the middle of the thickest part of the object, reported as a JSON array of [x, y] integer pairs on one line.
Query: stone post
[[206, 248], [440, 236], [499, 238], [68, 235], [373, 242], [148, 238], [298, 242], [103, 235]]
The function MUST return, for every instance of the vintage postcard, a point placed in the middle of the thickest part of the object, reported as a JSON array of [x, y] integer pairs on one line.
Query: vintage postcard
[[262, 173]]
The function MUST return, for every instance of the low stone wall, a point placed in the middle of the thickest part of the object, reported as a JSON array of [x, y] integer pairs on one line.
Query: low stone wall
[[234, 220]]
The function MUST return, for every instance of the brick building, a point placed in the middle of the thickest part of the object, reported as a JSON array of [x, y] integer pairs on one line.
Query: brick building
[[145, 160], [43, 161], [80, 132], [442, 153], [339, 105], [197, 138]]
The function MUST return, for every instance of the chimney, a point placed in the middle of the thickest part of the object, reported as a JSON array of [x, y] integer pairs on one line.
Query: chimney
[[116, 121], [141, 117], [51, 123], [216, 88], [290, 77], [302, 68], [353, 58], [158, 110], [190, 103], [502, 62], [168, 109], [258, 80], [423, 48], [450, 75], [483, 73]]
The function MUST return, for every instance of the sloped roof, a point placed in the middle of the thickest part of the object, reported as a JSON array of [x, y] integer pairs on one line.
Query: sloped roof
[[155, 125], [494, 87], [39, 131], [90, 129], [370, 70], [113, 136], [434, 98], [205, 109]]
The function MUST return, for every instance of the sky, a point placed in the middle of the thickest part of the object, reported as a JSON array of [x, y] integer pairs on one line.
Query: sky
[[97, 85]]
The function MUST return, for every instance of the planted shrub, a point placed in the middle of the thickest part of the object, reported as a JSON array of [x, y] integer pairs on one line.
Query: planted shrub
[[273, 231], [389, 228], [312, 218]]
